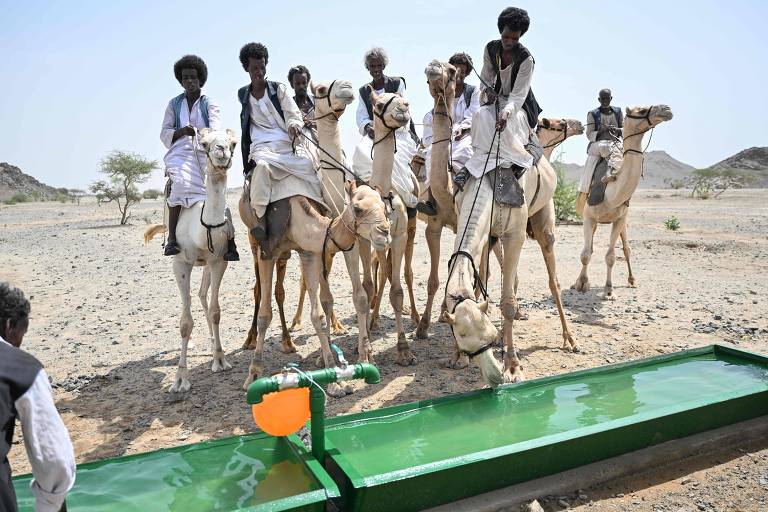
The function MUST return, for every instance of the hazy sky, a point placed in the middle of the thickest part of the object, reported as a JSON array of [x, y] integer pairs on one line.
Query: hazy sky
[[82, 78]]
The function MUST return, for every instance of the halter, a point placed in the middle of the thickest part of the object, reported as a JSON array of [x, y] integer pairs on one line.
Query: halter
[[556, 142], [328, 236], [647, 118], [384, 122], [488, 346], [334, 112], [209, 227]]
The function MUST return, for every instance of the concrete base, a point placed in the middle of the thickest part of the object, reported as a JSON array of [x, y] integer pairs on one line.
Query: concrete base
[[596, 473]]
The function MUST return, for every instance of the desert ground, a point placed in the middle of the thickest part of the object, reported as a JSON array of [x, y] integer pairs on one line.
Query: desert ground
[[105, 313]]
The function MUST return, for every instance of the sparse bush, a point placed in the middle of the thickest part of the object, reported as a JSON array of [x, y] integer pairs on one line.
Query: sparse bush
[[151, 193], [677, 184], [565, 193], [709, 182], [672, 223], [18, 198], [125, 171], [77, 194]]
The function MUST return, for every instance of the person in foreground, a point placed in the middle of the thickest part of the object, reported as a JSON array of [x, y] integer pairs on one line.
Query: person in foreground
[[26, 395]]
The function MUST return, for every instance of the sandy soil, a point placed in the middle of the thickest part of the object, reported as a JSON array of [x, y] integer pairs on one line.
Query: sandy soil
[[105, 317]]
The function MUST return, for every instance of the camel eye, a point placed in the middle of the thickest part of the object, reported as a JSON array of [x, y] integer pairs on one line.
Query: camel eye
[[357, 210]]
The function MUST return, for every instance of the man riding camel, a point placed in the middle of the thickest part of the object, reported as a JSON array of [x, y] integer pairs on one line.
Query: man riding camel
[[274, 155], [510, 108], [604, 131], [185, 161]]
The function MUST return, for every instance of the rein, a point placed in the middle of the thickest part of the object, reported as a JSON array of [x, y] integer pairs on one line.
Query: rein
[[209, 227]]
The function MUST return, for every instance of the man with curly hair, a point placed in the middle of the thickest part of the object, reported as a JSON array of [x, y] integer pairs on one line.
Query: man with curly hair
[[26, 396], [275, 158], [298, 79], [465, 103], [185, 161], [375, 61], [510, 107]]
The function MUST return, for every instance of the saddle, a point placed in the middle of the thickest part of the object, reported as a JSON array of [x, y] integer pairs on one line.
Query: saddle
[[597, 187], [508, 190]]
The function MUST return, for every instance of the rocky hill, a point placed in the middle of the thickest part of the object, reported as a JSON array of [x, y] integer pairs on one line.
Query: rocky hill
[[752, 160], [13, 181], [661, 170]]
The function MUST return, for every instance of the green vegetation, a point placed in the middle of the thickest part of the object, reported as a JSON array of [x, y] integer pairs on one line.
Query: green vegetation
[[672, 223], [124, 172], [565, 193]]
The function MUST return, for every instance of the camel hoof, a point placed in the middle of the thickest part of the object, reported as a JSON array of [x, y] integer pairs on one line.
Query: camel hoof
[[338, 330], [295, 326], [250, 342], [456, 364], [405, 358], [608, 294], [374, 324], [288, 347], [421, 329], [514, 376], [406, 310], [335, 390], [632, 282], [521, 315], [220, 364], [180, 385], [581, 285], [415, 318]]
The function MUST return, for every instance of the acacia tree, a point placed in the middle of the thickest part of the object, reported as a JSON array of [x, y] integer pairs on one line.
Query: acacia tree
[[706, 182], [77, 194], [124, 171]]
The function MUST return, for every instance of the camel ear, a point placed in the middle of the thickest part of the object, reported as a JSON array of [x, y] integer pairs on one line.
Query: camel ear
[[232, 138], [544, 122], [483, 306], [312, 88], [448, 318], [202, 136], [374, 97], [451, 72], [351, 187], [628, 110]]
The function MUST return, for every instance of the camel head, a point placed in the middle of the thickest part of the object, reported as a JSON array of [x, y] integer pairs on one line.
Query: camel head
[[552, 130], [640, 119], [473, 331], [219, 146], [331, 98], [441, 78], [371, 222], [391, 109]]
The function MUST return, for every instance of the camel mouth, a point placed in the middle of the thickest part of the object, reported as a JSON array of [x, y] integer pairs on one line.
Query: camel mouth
[[664, 115]]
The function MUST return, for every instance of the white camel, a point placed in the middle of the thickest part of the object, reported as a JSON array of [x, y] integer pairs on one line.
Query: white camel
[[614, 209], [202, 233]]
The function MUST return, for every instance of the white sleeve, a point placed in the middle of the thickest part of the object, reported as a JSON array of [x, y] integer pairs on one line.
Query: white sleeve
[[362, 116], [291, 111], [401, 89], [48, 445], [474, 106], [426, 130], [169, 127], [214, 115], [522, 86], [487, 75]]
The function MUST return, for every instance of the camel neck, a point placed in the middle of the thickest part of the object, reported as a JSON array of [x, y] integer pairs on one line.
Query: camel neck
[[628, 178], [329, 139], [383, 156], [342, 230], [440, 157], [215, 195]]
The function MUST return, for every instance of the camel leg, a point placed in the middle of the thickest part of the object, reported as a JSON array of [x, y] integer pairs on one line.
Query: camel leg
[[627, 253], [397, 251], [182, 272], [543, 224], [326, 302], [432, 233], [610, 257], [582, 283], [202, 295], [282, 264], [410, 240], [296, 324], [337, 329], [362, 308], [513, 246], [216, 272], [311, 265], [483, 271], [382, 262], [256, 368], [375, 267], [364, 247], [250, 340]]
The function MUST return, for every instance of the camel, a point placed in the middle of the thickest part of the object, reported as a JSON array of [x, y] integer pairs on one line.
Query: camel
[[390, 113], [441, 78], [614, 209], [309, 233], [479, 217], [202, 236]]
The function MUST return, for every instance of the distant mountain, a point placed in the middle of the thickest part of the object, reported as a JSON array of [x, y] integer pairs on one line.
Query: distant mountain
[[13, 181], [753, 160], [660, 170]]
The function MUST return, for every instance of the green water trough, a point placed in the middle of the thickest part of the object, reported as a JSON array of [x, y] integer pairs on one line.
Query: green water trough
[[423, 454]]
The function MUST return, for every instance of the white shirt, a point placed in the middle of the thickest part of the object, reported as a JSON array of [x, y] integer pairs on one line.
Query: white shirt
[[48, 445], [188, 117], [512, 96], [462, 116], [362, 113]]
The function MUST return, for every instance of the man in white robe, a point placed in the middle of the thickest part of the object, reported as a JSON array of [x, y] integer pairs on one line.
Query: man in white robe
[[605, 132], [403, 179], [465, 103], [185, 161], [277, 160], [506, 76]]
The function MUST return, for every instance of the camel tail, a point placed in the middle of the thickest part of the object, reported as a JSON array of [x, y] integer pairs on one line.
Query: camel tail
[[529, 230], [153, 231]]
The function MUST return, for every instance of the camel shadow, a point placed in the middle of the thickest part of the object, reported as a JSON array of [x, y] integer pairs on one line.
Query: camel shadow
[[587, 307]]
